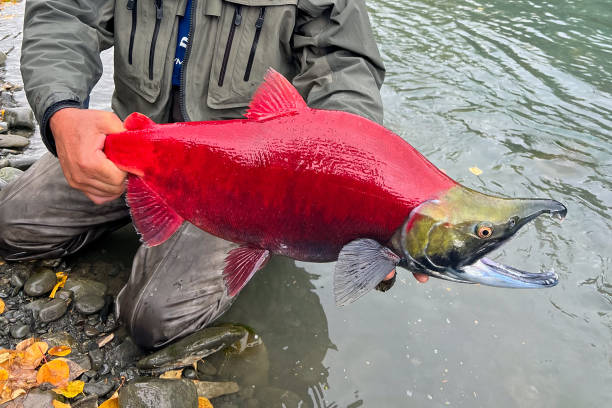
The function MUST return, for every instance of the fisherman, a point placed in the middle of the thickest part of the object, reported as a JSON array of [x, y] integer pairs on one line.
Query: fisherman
[[174, 60]]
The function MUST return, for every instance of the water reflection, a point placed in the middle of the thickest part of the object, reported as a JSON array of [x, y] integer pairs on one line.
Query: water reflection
[[281, 305]]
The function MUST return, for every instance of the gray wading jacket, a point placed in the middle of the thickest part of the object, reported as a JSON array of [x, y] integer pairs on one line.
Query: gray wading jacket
[[325, 47]]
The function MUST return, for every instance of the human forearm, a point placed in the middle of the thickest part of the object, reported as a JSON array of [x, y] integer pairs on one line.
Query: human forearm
[[60, 60]]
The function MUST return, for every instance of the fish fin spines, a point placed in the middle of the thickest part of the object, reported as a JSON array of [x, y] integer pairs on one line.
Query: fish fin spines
[[154, 220], [137, 121], [276, 96], [362, 265], [240, 266]]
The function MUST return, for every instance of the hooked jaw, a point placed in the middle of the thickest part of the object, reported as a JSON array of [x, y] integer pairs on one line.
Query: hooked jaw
[[453, 234]]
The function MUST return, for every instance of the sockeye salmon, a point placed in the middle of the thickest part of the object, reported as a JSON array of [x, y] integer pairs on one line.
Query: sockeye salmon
[[320, 186]]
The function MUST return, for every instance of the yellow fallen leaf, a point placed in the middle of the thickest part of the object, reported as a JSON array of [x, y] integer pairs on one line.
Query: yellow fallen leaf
[[112, 402], [2, 306], [59, 351], [61, 281], [24, 344], [57, 404], [204, 403], [34, 354], [172, 374], [4, 375], [55, 372], [476, 171], [71, 390]]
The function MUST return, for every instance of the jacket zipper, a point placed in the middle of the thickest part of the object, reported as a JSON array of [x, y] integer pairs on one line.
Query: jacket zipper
[[228, 47], [185, 60], [131, 5], [258, 26], [158, 17]]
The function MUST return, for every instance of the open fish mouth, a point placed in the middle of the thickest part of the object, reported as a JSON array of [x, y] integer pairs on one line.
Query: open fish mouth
[[491, 273]]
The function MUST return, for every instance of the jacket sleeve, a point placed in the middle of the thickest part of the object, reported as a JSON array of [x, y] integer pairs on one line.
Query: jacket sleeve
[[60, 55], [340, 67]]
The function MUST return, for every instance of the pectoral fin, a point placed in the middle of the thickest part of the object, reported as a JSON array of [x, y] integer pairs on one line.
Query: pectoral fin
[[152, 217], [240, 266], [362, 264]]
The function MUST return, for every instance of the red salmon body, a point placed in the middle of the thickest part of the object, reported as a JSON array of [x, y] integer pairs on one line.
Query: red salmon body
[[299, 182]]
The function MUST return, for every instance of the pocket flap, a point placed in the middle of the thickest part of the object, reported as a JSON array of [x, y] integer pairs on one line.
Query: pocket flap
[[213, 7]]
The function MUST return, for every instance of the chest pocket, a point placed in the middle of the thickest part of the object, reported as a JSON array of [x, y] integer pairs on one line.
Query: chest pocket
[[252, 35], [143, 33]]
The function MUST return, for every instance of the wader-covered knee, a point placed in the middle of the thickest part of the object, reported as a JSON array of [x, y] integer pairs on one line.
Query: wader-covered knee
[[175, 288], [41, 216]]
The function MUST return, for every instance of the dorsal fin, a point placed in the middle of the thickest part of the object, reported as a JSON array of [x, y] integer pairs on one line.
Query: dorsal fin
[[274, 97], [137, 121]]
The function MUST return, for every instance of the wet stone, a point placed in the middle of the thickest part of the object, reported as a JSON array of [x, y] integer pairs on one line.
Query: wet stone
[[83, 287], [53, 310], [2, 58], [210, 390], [192, 348], [17, 281], [99, 388], [60, 339], [41, 282], [19, 331], [190, 373], [19, 118], [4, 162], [166, 394], [89, 304], [65, 295], [38, 399], [3, 127], [8, 174], [87, 402], [35, 306], [91, 331], [13, 141], [97, 358], [23, 163]]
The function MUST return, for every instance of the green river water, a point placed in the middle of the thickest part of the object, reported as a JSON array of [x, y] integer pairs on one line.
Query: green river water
[[521, 90]]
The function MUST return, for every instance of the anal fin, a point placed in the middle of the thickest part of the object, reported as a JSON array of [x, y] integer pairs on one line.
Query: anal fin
[[240, 266], [152, 217], [362, 265]]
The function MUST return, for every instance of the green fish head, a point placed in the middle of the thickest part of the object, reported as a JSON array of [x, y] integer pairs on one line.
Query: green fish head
[[448, 237]]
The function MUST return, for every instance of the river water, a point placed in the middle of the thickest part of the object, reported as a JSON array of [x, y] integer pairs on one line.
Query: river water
[[521, 90]]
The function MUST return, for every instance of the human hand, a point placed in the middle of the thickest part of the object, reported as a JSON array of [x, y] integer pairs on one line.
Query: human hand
[[79, 138], [421, 277]]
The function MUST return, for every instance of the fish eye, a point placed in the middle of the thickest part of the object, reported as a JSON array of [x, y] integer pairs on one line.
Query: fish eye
[[484, 230]]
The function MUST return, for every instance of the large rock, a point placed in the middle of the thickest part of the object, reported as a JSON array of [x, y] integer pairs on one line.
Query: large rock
[[13, 141], [53, 310], [41, 282], [158, 393], [19, 118], [84, 287], [192, 348], [89, 304]]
